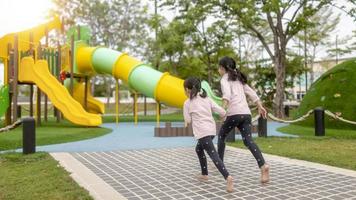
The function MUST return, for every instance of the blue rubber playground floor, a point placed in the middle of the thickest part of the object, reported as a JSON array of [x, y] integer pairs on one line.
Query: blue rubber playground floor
[[127, 136]]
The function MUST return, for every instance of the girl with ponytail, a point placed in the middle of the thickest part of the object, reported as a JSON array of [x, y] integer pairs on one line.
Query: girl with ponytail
[[234, 89], [198, 109]]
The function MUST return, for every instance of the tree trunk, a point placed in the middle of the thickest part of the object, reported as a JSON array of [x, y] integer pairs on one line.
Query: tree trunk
[[279, 68], [312, 66], [210, 74]]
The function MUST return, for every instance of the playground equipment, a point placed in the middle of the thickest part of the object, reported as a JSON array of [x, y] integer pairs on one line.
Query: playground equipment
[[27, 61]]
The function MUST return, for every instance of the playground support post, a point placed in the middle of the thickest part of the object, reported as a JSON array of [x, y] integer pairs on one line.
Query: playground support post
[[135, 107], [38, 106], [117, 99], [145, 106], [71, 65], [40, 55], [59, 64], [319, 121], [19, 111], [15, 78], [38, 98], [31, 85], [8, 71], [86, 83], [31, 100], [157, 113]]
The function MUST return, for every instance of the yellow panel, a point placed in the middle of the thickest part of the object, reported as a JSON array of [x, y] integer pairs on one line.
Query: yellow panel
[[38, 33], [56, 92], [93, 105], [84, 59], [123, 67], [170, 90]]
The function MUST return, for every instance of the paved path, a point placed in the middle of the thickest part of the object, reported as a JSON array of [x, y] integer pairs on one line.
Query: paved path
[[169, 173]]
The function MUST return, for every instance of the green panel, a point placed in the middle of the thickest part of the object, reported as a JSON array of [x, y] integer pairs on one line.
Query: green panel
[[144, 79], [84, 33], [4, 99], [205, 85], [104, 60]]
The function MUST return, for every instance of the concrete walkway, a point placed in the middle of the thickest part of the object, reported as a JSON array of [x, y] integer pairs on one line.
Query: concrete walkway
[[169, 173]]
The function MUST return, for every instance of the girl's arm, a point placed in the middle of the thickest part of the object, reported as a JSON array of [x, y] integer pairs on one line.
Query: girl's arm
[[186, 115], [226, 92], [217, 109], [255, 99]]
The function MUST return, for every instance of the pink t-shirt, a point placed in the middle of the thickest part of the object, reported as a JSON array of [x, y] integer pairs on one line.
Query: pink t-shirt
[[235, 92], [199, 112]]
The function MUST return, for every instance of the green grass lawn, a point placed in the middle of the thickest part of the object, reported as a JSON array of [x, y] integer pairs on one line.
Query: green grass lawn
[[51, 133], [174, 117], [337, 148], [128, 107], [36, 177]]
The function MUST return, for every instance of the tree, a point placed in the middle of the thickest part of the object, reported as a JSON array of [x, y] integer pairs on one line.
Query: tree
[[197, 36], [120, 25], [285, 18], [264, 77], [340, 47], [318, 34]]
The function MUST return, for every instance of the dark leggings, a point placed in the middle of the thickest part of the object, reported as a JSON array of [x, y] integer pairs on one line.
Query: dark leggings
[[206, 143], [243, 123]]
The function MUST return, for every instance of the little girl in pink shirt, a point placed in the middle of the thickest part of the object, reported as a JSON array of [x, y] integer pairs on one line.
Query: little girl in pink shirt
[[198, 110], [235, 89]]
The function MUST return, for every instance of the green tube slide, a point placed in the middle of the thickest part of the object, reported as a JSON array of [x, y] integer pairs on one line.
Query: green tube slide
[[104, 60], [139, 76], [205, 85], [143, 78]]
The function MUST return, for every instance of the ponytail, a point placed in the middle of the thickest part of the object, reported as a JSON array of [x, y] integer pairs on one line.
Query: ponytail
[[203, 94], [234, 74], [193, 92], [194, 85]]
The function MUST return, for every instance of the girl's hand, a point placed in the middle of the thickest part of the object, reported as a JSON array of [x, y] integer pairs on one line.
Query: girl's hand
[[262, 111], [225, 104], [223, 118]]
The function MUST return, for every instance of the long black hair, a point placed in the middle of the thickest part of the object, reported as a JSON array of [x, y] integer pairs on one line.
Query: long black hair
[[194, 85], [234, 74]]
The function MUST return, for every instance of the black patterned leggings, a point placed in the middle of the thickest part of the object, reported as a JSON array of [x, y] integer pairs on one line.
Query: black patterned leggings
[[243, 123], [206, 143]]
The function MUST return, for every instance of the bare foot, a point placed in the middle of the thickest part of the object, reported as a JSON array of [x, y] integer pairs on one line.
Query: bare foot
[[229, 184], [265, 173], [203, 177]]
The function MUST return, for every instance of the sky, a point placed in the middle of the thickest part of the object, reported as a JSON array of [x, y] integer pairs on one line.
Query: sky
[[17, 15]]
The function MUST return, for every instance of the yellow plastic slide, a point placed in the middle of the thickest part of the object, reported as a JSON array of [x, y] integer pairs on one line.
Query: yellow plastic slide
[[93, 105], [39, 74]]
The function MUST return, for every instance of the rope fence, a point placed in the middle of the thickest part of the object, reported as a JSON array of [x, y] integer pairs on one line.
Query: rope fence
[[271, 116], [327, 112], [12, 126], [335, 116]]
